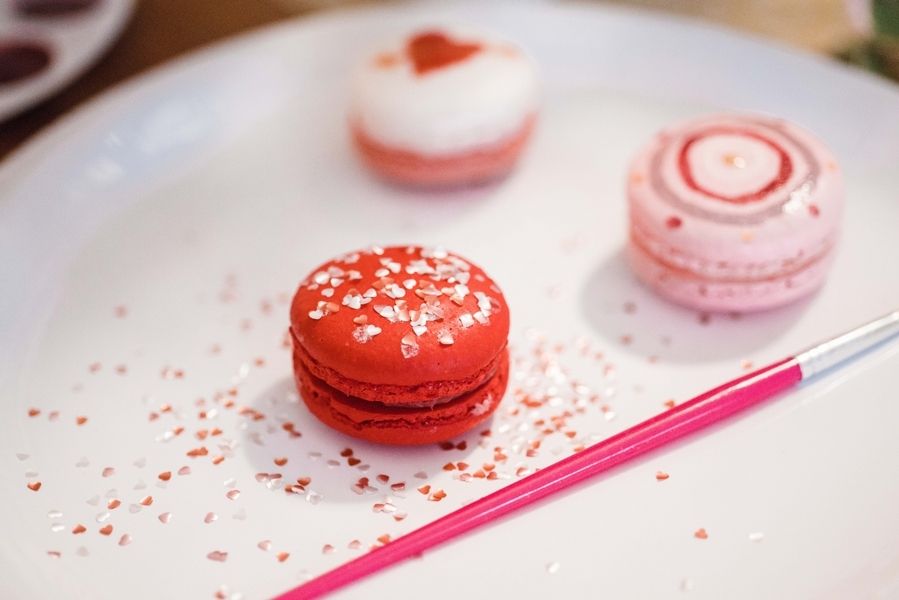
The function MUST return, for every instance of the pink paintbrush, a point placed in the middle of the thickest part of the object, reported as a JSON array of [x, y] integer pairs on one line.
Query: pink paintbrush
[[702, 411]]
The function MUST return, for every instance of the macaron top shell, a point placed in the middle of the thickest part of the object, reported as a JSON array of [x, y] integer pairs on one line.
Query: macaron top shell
[[745, 189], [444, 91], [401, 316]]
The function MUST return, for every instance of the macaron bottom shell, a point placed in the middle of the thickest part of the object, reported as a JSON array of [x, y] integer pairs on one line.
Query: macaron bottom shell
[[470, 167], [379, 423], [726, 295]]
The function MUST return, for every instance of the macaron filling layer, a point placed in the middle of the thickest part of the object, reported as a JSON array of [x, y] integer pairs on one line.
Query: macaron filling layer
[[412, 408], [426, 393], [724, 271], [403, 425]]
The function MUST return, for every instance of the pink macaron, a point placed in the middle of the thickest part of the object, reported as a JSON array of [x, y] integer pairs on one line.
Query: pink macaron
[[734, 212], [443, 107]]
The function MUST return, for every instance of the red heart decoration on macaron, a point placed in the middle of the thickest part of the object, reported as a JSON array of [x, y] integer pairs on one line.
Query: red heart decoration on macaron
[[433, 50]]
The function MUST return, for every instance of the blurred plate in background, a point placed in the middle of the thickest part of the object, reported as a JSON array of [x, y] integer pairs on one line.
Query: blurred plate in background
[[73, 41]]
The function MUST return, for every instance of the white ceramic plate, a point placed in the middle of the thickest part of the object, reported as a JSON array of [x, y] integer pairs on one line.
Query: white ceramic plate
[[75, 41], [150, 243]]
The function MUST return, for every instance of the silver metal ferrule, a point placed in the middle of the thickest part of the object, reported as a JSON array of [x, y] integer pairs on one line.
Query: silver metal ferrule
[[843, 347]]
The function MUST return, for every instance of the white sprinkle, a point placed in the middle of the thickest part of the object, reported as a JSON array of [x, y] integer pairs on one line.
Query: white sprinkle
[[409, 346], [481, 318], [431, 290], [320, 278], [382, 272], [483, 406], [394, 291], [353, 300], [756, 536], [328, 292], [484, 303], [419, 267], [316, 314], [394, 266], [370, 293], [364, 333], [445, 338], [386, 311], [552, 568], [409, 284], [354, 275], [466, 320]]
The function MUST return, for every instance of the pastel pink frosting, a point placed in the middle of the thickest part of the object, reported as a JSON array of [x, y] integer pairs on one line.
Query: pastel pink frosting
[[734, 212]]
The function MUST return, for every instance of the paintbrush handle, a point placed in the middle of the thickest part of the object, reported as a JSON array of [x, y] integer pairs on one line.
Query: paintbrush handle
[[657, 431], [704, 410]]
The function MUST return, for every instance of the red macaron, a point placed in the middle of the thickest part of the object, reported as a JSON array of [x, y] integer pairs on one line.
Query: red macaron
[[400, 345]]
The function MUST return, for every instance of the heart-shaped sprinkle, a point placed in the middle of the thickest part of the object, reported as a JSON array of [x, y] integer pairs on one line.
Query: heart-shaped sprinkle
[[673, 222], [218, 556], [124, 540], [432, 50], [264, 545], [79, 529], [34, 486], [106, 530]]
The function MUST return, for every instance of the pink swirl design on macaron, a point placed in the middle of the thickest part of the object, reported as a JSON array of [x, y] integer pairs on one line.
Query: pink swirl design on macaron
[[778, 181]]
